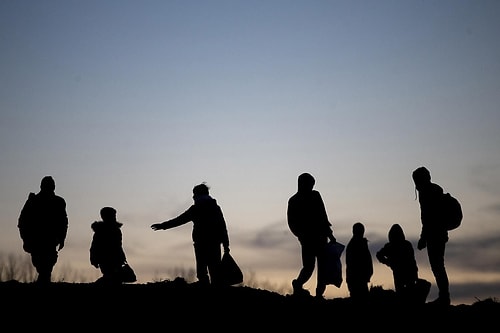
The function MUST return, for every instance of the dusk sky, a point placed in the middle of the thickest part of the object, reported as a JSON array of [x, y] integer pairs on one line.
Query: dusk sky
[[130, 104]]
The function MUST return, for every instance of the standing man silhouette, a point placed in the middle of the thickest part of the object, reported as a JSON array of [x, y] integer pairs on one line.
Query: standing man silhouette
[[43, 225], [209, 233], [308, 221], [434, 234]]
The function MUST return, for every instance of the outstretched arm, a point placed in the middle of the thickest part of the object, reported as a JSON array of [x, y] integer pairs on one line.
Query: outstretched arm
[[175, 222]]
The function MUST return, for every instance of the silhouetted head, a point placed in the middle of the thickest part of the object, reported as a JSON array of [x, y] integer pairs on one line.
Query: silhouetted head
[[358, 229], [421, 176], [48, 184], [306, 182], [396, 233], [108, 214], [200, 189]]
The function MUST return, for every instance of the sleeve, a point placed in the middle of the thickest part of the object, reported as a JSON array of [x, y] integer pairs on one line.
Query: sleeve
[[322, 214], [123, 257], [369, 263], [382, 255], [292, 218], [94, 250], [184, 218], [63, 222], [25, 218], [224, 233]]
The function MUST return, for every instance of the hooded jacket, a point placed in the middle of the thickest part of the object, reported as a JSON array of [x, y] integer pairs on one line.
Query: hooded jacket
[[106, 247]]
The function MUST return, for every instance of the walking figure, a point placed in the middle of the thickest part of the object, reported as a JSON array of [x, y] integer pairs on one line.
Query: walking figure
[[43, 226], [308, 221]]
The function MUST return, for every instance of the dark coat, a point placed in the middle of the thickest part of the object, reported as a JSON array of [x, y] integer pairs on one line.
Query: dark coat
[[430, 197], [307, 217], [209, 225], [106, 248], [359, 264], [399, 255], [43, 222]]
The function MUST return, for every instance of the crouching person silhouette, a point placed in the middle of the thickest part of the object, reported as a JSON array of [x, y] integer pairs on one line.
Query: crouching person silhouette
[[106, 249], [399, 255]]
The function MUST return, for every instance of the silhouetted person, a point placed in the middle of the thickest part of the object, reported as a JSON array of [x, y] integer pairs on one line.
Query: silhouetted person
[[359, 264], [434, 234], [43, 225], [399, 255], [308, 221], [106, 249], [209, 233]]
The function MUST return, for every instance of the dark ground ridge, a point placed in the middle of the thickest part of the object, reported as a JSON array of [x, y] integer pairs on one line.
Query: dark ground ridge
[[187, 304]]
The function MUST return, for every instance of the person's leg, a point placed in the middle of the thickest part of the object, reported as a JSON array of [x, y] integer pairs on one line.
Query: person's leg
[[213, 263], [353, 288], [320, 289], [44, 260], [200, 254], [321, 258], [308, 263], [435, 252], [358, 290], [110, 274]]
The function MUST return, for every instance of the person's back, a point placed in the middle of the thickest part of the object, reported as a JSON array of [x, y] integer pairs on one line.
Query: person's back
[[209, 225], [306, 213]]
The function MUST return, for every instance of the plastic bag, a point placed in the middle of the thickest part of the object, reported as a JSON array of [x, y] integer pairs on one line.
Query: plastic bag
[[330, 268], [230, 272]]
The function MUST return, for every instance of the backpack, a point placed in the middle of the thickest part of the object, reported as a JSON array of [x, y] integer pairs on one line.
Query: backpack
[[452, 212]]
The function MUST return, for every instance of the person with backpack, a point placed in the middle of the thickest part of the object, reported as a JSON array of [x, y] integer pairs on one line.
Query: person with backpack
[[43, 225], [434, 232]]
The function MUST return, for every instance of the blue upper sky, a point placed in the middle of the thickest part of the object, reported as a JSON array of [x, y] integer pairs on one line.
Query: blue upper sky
[[131, 103]]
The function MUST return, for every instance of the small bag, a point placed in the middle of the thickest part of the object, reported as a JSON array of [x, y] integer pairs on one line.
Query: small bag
[[230, 272], [127, 274]]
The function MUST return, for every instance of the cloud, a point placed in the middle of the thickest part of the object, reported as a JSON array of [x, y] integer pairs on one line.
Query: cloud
[[477, 254], [486, 178]]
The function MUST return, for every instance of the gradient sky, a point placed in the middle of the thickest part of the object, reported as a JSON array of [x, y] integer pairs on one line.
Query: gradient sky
[[131, 103]]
